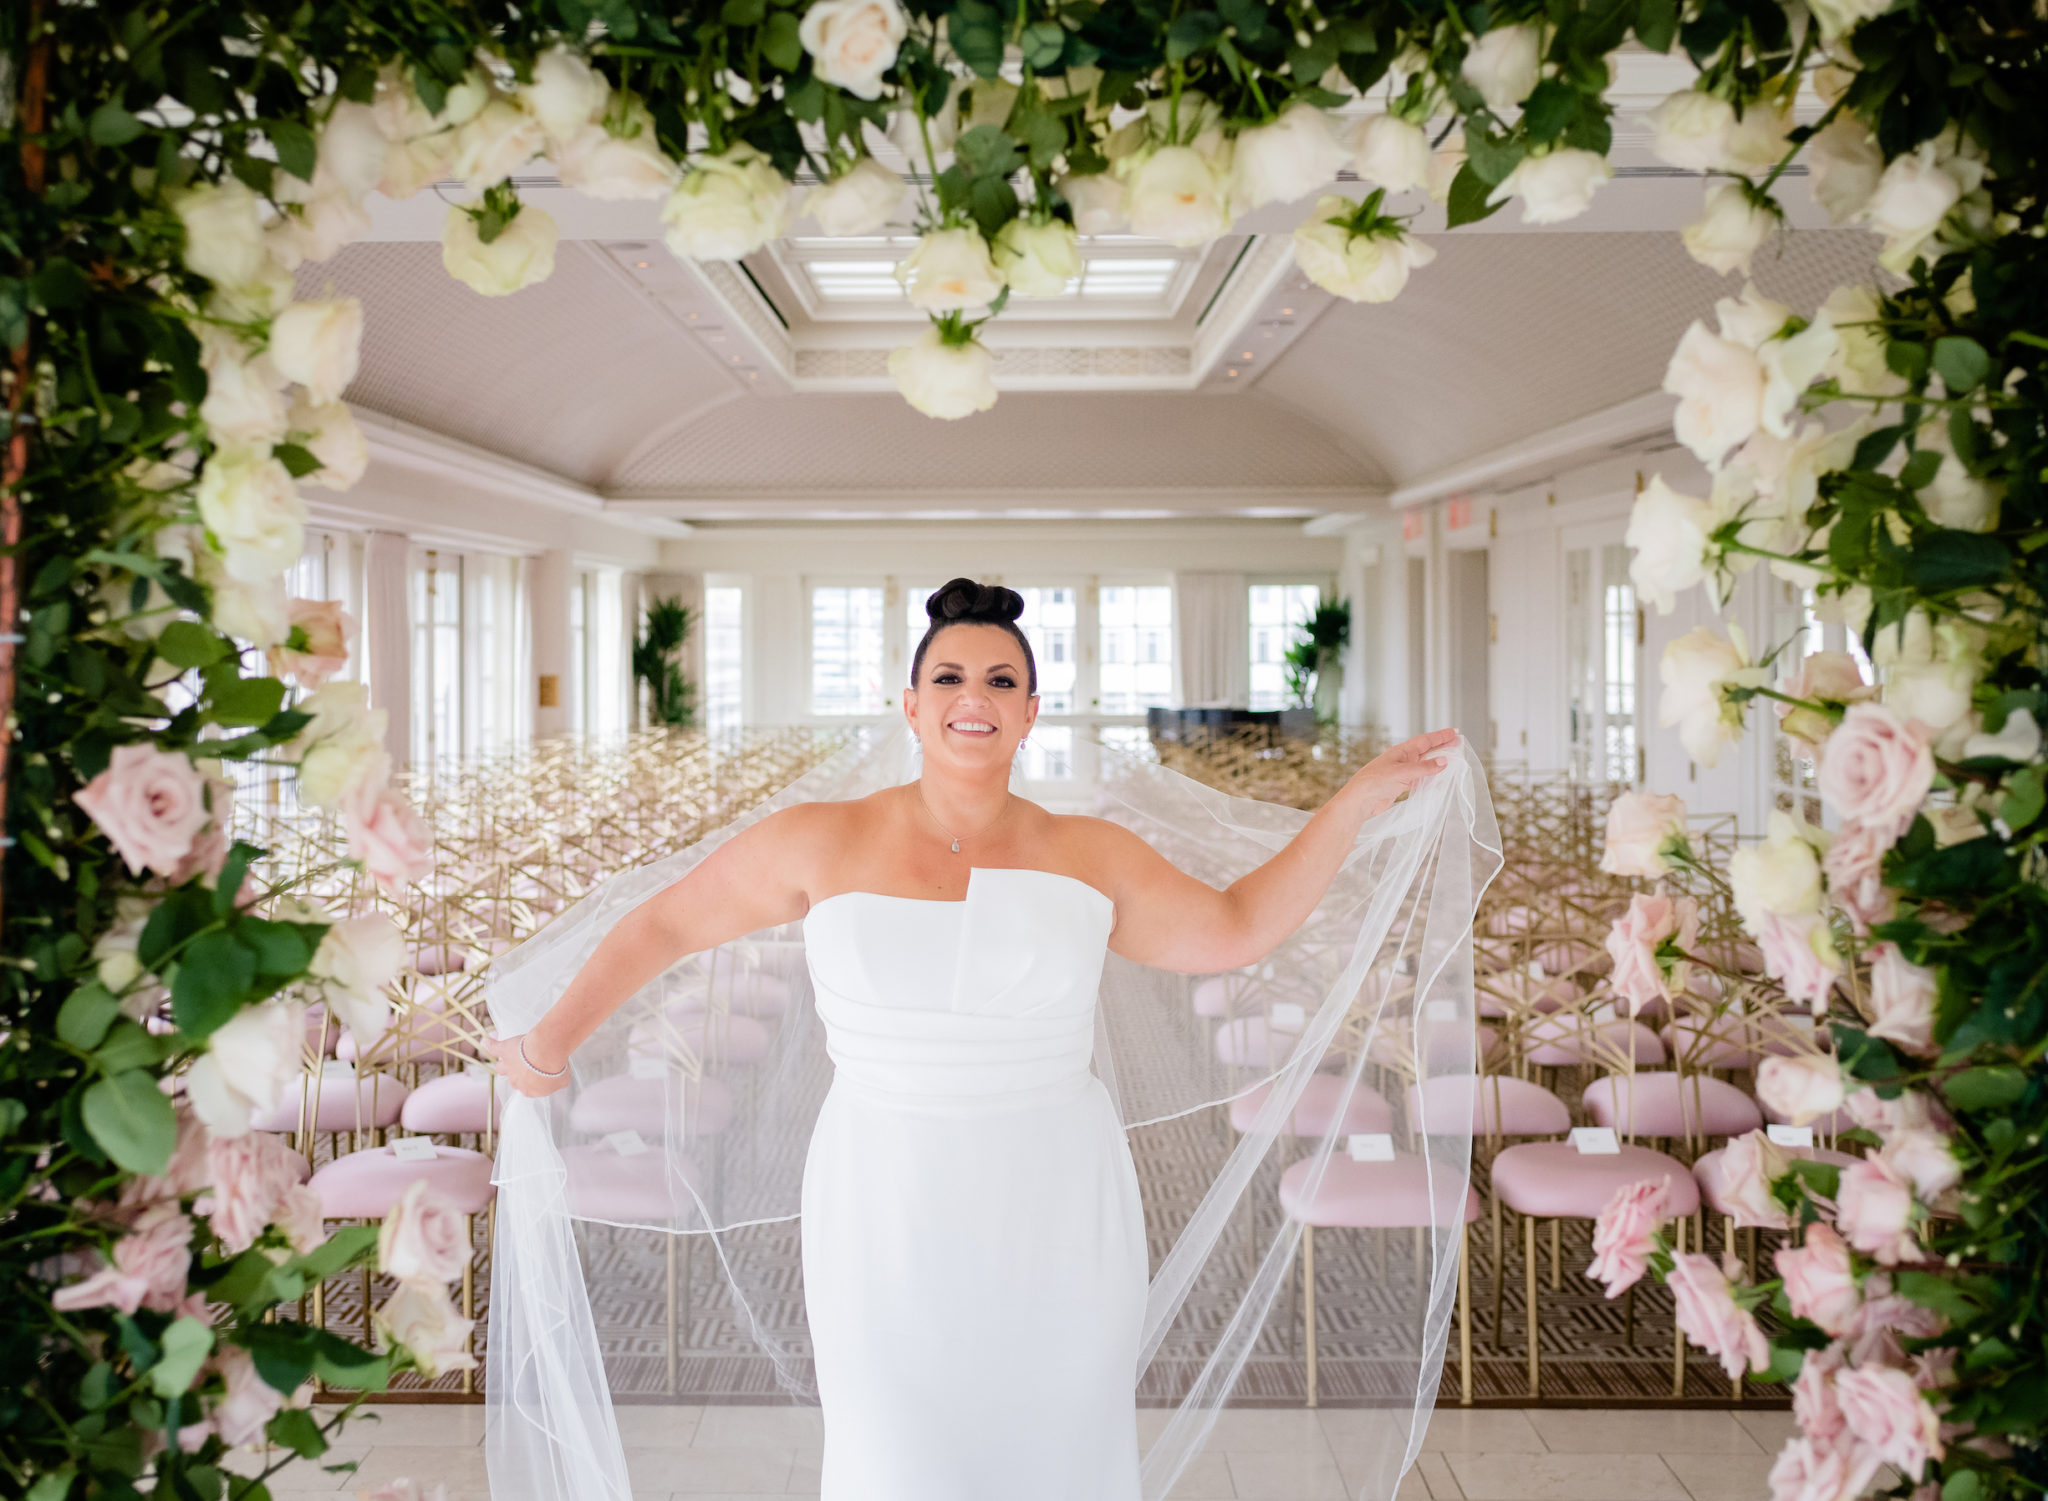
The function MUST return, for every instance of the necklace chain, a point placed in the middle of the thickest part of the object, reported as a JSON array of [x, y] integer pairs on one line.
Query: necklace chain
[[918, 788]]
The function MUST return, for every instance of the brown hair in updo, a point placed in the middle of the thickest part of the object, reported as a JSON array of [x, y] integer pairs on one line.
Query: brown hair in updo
[[964, 602]]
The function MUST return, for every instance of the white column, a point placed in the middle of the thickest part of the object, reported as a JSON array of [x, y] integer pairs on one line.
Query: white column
[[550, 578], [630, 597], [387, 632]]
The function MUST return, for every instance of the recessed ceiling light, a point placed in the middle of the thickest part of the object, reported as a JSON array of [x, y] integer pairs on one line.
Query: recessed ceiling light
[[1231, 373], [1287, 312], [1246, 355]]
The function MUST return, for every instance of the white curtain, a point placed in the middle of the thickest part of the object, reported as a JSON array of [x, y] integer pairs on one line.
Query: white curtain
[[387, 632], [1212, 639]]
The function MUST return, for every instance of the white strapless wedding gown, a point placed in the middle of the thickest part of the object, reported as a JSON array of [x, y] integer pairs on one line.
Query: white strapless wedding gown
[[974, 1253]]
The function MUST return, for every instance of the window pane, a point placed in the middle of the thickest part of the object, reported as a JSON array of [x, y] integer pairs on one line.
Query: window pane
[[723, 664], [846, 650], [1049, 621], [1136, 625], [1279, 617], [1048, 754], [915, 621], [579, 640]]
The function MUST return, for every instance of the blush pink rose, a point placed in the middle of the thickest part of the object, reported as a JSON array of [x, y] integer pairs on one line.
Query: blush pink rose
[[388, 835], [1885, 1409], [1887, 1320], [301, 1218], [1902, 998], [251, 1174], [1639, 825], [1829, 677], [1800, 954], [1877, 770], [1814, 1406], [150, 1267], [209, 851], [1639, 976], [1808, 1470], [420, 1317], [186, 1173], [250, 1403], [1799, 1087], [1910, 1109], [151, 805], [423, 1238], [1853, 865], [1749, 1164], [1925, 1158], [1874, 1212], [328, 633], [1625, 1234], [1820, 1282], [1711, 1319]]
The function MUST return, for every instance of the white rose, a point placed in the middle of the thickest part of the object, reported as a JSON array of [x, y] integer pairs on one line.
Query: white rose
[[1902, 1000], [1556, 186], [1750, 318], [1696, 671], [318, 345], [941, 129], [1839, 16], [1690, 131], [628, 165], [1392, 153], [1641, 827], [358, 957], [1913, 196], [351, 150], [256, 300], [1791, 363], [1955, 497], [1846, 165], [1668, 540], [727, 206], [252, 512], [258, 613], [566, 93], [1038, 260], [944, 380], [420, 1318], [329, 432], [223, 232], [950, 271], [1858, 366], [342, 748], [859, 201], [1731, 230], [2018, 742], [1360, 268], [1719, 385], [249, 1061], [1504, 65], [1929, 675], [1097, 199], [317, 222], [500, 140], [522, 254], [1779, 875], [418, 163], [245, 401], [1758, 140], [1177, 195], [853, 42], [1287, 159]]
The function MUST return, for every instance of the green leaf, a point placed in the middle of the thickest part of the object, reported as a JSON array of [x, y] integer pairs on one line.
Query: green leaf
[[282, 949], [296, 151], [1191, 32], [781, 42], [1467, 203], [228, 885], [1493, 157], [1946, 560], [1964, 1485], [1549, 110], [339, 1250], [1906, 360], [296, 458], [987, 151], [185, 1347], [2026, 793], [1043, 42], [975, 30], [132, 1120], [1920, 469], [283, 1352], [128, 1046], [299, 1431], [1961, 363], [51, 1487], [1991, 1086], [188, 643], [111, 125], [83, 1019], [242, 701], [1876, 447], [1940, 1293], [743, 12], [213, 980], [1657, 24]]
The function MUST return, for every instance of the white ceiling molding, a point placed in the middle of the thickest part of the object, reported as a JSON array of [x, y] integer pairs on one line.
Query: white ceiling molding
[[1556, 448], [1012, 505]]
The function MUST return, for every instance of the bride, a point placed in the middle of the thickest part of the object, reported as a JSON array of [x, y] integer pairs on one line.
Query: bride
[[974, 1256]]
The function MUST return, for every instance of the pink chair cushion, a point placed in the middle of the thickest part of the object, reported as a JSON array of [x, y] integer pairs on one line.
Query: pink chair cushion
[[361, 1103], [649, 1106], [1721, 1043], [1661, 1104], [1446, 1047], [364, 1185], [1313, 1112], [422, 1037], [607, 1185], [1707, 1171], [1492, 1105], [439, 959], [322, 1035], [455, 1105], [1212, 995], [712, 1038], [1386, 1195], [757, 995], [1252, 1042], [1553, 1180], [1563, 1041]]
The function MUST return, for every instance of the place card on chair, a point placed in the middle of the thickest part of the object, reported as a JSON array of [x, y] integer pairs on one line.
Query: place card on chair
[[413, 1149], [1595, 1141], [1790, 1136], [1288, 1016], [1371, 1146], [626, 1143]]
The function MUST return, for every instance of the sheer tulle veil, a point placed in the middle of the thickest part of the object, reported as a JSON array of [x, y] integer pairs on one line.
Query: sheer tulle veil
[[690, 1110]]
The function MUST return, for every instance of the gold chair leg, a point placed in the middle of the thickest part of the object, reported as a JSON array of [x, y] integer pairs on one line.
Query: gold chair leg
[[1556, 1255], [1308, 1302], [669, 1324], [1529, 1293], [469, 1298], [1677, 1334], [1464, 1315], [1500, 1279]]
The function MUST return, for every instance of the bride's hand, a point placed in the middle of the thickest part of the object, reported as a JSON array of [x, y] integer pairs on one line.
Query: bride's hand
[[1384, 779], [506, 1051]]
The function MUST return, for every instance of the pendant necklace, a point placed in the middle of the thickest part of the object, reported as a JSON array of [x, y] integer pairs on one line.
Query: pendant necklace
[[918, 788]]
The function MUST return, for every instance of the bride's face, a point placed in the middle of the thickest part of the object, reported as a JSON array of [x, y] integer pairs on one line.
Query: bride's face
[[973, 701]]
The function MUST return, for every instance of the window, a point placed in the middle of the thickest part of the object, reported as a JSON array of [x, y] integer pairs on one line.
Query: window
[[1279, 617], [1136, 628], [1601, 651], [598, 689], [846, 650], [469, 655], [436, 657], [724, 667], [915, 621], [1050, 621]]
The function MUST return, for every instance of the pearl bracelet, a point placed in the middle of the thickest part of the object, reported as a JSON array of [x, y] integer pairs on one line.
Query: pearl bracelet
[[530, 1065]]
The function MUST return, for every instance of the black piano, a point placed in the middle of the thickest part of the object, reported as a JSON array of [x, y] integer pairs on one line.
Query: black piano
[[1185, 726]]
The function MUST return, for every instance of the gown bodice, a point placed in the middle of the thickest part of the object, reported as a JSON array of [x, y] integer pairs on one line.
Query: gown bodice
[[961, 1007]]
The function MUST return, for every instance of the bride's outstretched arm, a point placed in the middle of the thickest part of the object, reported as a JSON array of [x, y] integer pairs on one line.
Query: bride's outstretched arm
[[755, 880], [1167, 918]]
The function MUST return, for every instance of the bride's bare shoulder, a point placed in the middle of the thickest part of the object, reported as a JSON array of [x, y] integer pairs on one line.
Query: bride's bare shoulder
[[830, 820]]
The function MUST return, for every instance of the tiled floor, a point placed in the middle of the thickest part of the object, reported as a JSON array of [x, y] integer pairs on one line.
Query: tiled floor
[[720, 1453]]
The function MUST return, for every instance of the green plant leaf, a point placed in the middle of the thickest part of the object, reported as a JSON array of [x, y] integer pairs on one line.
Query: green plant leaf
[[1493, 157], [111, 125], [185, 1347], [1549, 110], [1961, 363], [1467, 204], [297, 459], [132, 1120], [188, 643], [781, 41], [1191, 32], [83, 1019], [1991, 1086], [214, 977], [975, 30], [298, 1430], [1945, 560], [296, 151], [242, 701]]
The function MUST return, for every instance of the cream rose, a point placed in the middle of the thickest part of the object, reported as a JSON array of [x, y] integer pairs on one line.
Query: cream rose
[[566, 94], [1391, 152], [223, 227], [1038, 260], [1719, 385], [1911, 200], [944, 380], [388, 835], [1750, 1164], [325, 631], [249, 1062], [1356, 267], [252, 513], [522, 254], [950, 271], [1178, 195], [245, 400], [258, 613], [1670, 543], [1504, 65], [1690, 131], [1955, 497], [1846, 165], [1286, 159], [1730, 231], [1555, 186], [1827, 677], [318, 344], [859, 201], [1779, 876], [1759, 139], [852, 43], [1800, 1088], [342, 748], [423, 1238], [1641, 827], [1902, 996], [329, 432], [1697, 670], [2018, 741], [1097, 199], [499, 140], [626, 164], [1858, 365], [420, 1319], [727, 206]]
